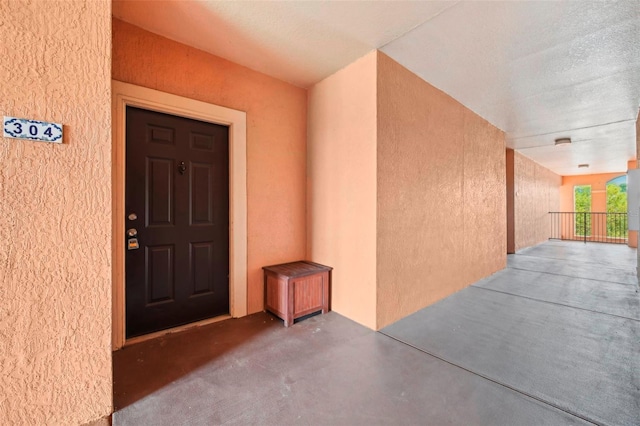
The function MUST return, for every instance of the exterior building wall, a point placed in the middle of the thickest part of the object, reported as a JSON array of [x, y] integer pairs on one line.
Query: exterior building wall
[[633, 235], [342, 186], [536, 193], [511, 230], [441, 194], [276, 136], [598, 184], [55, 215]]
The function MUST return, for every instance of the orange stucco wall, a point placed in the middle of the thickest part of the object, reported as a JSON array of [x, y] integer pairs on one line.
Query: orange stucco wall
[[633, 164], [632, 240], [598, 185], [511, 230], [406, 191], [441, 196], [637, 137], [536, 193], [55, 215], [342, 186], [276, 136]]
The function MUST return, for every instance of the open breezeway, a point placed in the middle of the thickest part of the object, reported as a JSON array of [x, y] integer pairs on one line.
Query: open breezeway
[[537, 343]]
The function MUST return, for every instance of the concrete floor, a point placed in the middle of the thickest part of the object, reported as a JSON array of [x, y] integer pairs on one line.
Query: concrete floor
[[553, 339]]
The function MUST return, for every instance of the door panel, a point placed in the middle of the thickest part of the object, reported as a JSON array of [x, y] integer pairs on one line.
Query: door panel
[[202, 258], [163, 135], [201, 194], [177, 184], [159, 196], [160, 279]]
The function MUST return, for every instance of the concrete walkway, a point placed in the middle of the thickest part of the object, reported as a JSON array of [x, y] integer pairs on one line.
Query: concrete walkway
[[561, 324], [552, 340]]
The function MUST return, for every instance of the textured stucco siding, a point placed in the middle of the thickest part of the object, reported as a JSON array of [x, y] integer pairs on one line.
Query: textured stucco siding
[[342, 186], [537, 192], [55, 215], [598, 184], [441, 194], [276, 136], [485, 217]]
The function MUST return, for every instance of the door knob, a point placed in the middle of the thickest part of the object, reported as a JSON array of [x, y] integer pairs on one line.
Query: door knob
[[132, 232], [182, 168]]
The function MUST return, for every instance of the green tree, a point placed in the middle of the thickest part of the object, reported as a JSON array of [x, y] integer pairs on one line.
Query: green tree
[[616, 203], [582, 197]]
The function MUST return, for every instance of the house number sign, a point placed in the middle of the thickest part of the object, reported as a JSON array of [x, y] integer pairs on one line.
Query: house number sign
[[42, 131]]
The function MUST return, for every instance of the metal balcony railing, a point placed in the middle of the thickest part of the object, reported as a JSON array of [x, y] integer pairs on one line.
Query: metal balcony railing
[[589, 227]]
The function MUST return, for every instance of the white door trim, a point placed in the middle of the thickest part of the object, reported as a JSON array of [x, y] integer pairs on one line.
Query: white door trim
[[124, 94]]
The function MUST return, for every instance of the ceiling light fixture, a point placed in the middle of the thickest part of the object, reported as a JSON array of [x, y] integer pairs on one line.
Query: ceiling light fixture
[[562, 141], [582, 165]]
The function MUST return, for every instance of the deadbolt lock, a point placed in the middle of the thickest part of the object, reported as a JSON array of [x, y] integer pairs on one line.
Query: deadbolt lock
[[132, 216]]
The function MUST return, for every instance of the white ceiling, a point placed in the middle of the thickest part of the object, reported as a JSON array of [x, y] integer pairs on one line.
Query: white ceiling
[[537, 70]]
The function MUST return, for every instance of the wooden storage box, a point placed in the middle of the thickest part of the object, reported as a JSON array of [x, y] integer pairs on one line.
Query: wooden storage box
[[293, 290]]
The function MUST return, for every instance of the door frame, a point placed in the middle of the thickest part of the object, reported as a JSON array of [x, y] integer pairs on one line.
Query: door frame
[[124, 94]]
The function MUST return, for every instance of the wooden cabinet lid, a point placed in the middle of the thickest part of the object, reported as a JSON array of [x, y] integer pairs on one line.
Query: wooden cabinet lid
[[297, 269]]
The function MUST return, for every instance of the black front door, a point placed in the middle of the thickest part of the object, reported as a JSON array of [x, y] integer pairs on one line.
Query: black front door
[[177, 221]]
